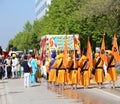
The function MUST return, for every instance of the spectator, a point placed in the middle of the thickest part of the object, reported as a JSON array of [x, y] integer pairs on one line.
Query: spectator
[[22, 70], [26, 66], [38, 74], [34, 66], [14, 66]]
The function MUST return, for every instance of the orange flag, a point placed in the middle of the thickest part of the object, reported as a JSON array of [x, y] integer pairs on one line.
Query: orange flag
[[115, 49], [103, 52], [89, 53], [65, 52]]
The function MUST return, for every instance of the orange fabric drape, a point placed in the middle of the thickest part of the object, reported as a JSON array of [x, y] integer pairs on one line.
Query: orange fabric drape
[[103, 52], [115, 49], [89, 53], [89, 56]]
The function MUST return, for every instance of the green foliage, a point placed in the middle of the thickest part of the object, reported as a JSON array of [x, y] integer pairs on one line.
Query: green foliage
[[22, 40], [27, 27], [85, 17], [34, 41]]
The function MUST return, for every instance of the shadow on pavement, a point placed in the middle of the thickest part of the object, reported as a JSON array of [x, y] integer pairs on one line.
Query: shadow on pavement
[[35, 85], [1, 82], [15, 92]]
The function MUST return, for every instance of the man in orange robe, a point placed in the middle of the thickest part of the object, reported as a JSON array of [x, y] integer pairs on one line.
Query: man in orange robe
[[85, 77], [99, 72], [68, 66], [61, 72], [111, 70], [52, 71], [74, 72]]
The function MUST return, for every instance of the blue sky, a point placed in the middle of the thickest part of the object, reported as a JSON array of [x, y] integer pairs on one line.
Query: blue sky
[[13, 16]]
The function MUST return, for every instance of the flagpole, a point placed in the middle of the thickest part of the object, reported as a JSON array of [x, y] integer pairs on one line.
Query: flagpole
[[65, 51], [74, 49]]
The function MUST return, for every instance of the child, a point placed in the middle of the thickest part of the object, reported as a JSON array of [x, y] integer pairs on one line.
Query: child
[[26, 67]]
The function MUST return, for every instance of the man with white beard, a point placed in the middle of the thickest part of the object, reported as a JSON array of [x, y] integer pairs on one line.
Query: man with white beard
[[14, 66]]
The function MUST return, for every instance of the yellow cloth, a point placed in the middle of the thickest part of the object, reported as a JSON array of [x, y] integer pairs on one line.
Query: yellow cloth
[[67, 75], [96, 54], [74, 77], [99, 74], [55, 64], [111, 73], [61, 77], [79, 74], [84, 76], [85, 79], [52, 75]]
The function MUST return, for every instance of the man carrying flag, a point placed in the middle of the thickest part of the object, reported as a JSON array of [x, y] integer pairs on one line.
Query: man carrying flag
[[84, 77], [99, 61], [65, 60], [85, 64], [62, 65], [113, 56], [74, 67]]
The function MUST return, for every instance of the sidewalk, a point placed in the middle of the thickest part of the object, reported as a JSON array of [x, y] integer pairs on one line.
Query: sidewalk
[[2, 93], [13, 92]]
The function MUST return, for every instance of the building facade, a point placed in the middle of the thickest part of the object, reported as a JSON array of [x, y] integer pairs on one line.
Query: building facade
[[41, 7]]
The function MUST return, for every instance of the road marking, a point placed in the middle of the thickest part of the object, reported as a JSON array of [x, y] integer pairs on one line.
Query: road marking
[[105, 92]]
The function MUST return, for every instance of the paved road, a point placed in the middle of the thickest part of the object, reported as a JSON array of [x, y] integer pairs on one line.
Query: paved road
[[13, 92]]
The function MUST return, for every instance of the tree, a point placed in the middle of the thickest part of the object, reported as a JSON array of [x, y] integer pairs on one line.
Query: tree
[[85, 17], [34, 41], [27, 27]]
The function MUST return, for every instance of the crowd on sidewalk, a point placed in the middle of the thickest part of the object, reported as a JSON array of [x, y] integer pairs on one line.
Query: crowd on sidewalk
[[10, 67], [18, 66]]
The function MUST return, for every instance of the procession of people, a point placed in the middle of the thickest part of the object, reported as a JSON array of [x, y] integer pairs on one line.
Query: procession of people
[[80, 74], [64, 67], [73, 69]]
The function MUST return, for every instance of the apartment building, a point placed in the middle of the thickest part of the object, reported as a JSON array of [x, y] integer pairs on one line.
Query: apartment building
[[41, 6]]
